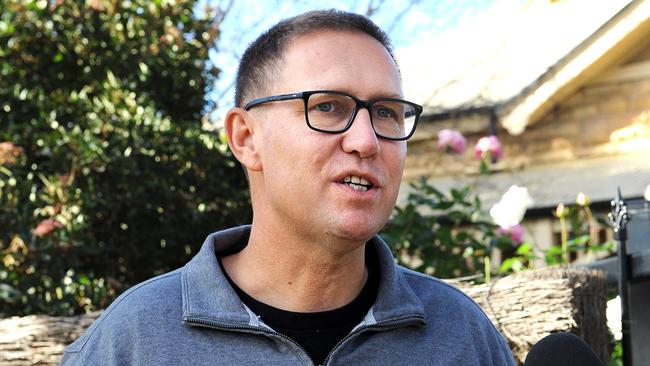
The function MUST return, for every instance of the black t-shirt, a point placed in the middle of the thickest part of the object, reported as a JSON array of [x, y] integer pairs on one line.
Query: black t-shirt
[[318, 333]]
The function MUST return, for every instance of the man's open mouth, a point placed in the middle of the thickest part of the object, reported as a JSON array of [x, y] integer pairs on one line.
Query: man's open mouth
[[357, 183]]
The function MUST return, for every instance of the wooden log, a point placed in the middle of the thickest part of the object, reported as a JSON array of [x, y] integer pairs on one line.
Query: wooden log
[[39, 339], [530, 305]]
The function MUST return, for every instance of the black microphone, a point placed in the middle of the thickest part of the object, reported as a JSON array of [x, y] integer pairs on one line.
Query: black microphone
[[562, 349]]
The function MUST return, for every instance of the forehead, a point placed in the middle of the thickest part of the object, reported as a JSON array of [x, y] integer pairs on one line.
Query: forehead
[[347, 61]]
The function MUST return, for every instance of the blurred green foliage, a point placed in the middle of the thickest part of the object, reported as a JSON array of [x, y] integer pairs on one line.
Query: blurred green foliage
[[450, 235], [446, 235], [106, 176], [581, 232], [616, 358]]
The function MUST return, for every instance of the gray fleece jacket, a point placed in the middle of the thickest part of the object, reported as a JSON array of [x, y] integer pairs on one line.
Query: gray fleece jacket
[[192, 316]]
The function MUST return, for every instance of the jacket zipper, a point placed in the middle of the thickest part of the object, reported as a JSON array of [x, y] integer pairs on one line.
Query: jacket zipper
[[242, 327], [412, 321], [398, 324]]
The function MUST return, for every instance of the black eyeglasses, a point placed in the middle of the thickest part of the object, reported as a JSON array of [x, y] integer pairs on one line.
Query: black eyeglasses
[[332, 111]]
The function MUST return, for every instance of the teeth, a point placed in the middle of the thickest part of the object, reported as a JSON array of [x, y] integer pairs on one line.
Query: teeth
[[357, 183]]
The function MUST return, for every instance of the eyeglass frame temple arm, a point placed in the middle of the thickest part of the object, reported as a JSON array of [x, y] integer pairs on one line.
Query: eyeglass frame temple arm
[[273, 98]]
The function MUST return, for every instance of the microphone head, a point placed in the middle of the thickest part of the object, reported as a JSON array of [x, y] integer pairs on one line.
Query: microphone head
[[562, 349]]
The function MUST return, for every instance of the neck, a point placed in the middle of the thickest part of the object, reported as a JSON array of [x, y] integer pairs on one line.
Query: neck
[[280, 270]]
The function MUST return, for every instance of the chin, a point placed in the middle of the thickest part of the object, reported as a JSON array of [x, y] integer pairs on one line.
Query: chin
[[362, 232], [357, 225]]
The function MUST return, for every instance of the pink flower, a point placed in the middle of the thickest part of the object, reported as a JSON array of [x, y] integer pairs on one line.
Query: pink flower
[[515, 232], [488, 145], [7, 146], [451, 141], [9, 152], [47, 226]]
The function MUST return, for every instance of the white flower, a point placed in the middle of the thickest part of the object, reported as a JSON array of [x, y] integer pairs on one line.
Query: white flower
[[582, 199], [513, 205], [613, 313]]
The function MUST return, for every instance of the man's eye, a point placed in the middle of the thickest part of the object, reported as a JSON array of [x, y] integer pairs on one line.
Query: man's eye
[[324, 107], [384, 112]]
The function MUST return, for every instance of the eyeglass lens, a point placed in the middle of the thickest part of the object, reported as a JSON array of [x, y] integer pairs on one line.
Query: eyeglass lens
[[332, 112]]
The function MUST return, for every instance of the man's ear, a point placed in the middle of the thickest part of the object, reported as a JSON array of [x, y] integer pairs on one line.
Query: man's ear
[[240, 130]]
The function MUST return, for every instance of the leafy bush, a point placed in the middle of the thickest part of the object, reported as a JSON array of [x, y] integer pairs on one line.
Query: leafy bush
[[446, 235], [451, 235], [106, 177]]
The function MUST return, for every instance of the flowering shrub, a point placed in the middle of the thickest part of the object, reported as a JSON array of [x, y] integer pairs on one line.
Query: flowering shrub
[[449, 235], [452, 235]]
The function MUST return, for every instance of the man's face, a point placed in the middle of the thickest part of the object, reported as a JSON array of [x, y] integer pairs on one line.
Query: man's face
[[302, 181]]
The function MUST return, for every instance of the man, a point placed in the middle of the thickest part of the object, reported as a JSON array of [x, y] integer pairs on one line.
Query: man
[[320, 125]]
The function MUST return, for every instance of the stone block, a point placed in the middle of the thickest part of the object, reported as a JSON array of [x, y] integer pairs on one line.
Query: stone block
[[615, 105]]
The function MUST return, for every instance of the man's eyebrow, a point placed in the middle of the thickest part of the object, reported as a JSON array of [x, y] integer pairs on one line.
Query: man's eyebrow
[[391, 95], [378, 95]]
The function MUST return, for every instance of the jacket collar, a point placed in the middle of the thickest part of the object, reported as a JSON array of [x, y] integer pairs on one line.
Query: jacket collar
[[207, 295]]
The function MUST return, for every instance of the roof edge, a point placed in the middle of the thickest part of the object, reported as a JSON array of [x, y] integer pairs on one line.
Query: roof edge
[[613, 40]]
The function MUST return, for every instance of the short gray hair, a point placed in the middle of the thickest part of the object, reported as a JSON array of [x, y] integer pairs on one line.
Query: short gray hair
[[263, 56]]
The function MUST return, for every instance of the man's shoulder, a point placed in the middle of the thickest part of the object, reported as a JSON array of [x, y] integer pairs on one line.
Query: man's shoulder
[[150, 302], [159, 292], [430, 285], [452, 313], [437, 294]]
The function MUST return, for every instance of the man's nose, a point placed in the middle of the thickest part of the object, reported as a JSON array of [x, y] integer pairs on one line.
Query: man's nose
[[361, 137]]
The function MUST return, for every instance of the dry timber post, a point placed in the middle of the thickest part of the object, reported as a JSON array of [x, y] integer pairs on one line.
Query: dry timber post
[[39, 339], [527, 306]]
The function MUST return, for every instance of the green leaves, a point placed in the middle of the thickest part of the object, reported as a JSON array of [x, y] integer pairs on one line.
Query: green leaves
[[523, 257], [445, 235], [451, 235], [108, 118]]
